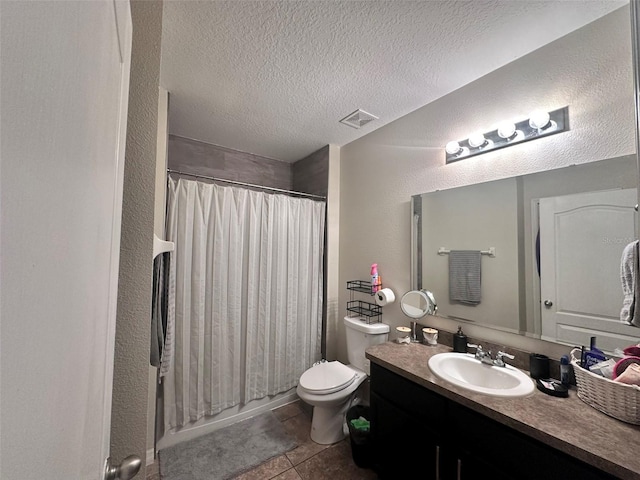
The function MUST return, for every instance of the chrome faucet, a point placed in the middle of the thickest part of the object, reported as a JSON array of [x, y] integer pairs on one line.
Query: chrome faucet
[[481, 354], [485, 356], [414, 337]]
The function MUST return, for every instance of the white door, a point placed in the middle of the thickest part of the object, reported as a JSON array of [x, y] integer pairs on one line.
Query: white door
[[582, 237], [65, 81]]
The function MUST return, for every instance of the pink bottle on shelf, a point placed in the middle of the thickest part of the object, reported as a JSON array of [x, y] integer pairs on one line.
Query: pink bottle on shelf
[[375, 278]]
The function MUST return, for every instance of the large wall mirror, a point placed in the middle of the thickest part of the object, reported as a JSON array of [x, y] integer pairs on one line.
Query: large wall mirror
[[551, 239]]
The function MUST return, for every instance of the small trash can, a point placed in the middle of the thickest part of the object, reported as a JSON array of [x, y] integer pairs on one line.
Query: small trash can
[[358, 418]]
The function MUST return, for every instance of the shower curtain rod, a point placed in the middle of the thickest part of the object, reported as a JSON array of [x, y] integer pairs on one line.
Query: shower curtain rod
[[273, 189]]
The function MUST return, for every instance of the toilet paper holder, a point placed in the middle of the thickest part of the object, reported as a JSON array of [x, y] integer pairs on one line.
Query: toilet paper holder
[[384, 297]]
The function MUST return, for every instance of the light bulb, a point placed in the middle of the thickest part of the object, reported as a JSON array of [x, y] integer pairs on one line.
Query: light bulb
[[452, 147], [506, 129], [476, 140], [539, 119]]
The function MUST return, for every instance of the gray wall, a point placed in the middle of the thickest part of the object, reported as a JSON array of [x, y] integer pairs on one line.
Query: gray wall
[[131, 365], [311, 174], [192, 156]]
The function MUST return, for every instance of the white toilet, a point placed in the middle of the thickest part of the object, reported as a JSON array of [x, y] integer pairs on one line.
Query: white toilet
[[331, 387]]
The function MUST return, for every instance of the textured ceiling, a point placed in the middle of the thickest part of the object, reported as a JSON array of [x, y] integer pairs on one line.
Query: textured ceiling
[[275, 77]]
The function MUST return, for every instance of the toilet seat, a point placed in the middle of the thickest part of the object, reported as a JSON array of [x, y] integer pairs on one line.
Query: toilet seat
[[327, 377]]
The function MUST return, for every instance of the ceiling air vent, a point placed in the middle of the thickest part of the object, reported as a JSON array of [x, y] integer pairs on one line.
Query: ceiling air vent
[[358, 118]]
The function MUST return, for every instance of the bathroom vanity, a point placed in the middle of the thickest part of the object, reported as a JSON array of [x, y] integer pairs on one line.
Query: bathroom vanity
[[423, 427]]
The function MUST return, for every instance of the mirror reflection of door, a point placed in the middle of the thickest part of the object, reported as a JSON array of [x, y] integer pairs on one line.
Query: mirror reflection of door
[[582, 237]]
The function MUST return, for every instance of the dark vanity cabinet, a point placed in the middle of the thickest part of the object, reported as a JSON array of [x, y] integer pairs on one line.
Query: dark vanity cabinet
[[417, 433], [407, 422]]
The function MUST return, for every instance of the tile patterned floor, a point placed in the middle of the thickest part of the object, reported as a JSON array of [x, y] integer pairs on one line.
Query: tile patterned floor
[[308, 461]]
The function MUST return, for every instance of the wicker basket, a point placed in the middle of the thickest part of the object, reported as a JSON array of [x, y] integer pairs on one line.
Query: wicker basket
[[616, 399]]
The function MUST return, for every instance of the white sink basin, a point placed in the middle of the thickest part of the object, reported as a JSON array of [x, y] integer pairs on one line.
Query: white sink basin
[[465, 371]]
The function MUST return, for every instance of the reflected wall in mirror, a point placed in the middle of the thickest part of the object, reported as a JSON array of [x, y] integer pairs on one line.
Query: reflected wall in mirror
[[558, 230], [558, 237]]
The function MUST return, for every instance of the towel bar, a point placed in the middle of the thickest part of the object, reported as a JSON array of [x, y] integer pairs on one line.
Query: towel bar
[[491, 251]]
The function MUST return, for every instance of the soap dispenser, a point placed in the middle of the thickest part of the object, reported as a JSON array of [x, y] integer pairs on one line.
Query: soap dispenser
[[460, 341]]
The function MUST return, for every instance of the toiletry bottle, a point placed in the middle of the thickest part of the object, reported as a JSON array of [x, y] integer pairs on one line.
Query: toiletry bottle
[[564, 370], [374, 278], [460, 341]]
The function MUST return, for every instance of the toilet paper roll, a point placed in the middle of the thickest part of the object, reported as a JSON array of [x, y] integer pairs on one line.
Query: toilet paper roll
[[385, 297]]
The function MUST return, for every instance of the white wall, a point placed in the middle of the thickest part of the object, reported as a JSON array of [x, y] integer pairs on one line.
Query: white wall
[[162, 144], [131, 365], [333, 253], [64, 80], [158, 229], [589, 70]]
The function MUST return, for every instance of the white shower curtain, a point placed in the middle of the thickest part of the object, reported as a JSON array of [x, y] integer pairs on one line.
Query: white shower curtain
[[248, 296]]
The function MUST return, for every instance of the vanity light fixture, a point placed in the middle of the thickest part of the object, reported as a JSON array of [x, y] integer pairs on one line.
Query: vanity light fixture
[[539, 124], [477, 140], [453, 147], [540, 120], [507, 130]]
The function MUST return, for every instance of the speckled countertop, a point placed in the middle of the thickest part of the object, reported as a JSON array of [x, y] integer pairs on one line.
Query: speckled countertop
[[567, 424]]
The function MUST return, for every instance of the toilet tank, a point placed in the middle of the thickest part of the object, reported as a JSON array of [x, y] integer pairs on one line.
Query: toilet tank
[[360, 336]]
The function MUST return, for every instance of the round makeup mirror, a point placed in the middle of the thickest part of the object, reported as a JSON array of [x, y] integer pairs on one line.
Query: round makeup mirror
[[418, 303]]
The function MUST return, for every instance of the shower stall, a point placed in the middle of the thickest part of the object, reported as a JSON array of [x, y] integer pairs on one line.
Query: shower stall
[[244, 303]]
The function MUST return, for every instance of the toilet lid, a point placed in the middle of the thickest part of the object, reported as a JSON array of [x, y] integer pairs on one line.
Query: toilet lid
[[327, 377]]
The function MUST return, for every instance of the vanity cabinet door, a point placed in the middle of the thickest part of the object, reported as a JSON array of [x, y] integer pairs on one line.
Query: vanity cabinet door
[[406, 428], [409, 396], [486, 446], [469, 466], [403, 448]]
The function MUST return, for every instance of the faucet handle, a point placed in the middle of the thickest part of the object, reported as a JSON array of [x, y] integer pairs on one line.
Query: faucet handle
[[499, 361], [480, 353]]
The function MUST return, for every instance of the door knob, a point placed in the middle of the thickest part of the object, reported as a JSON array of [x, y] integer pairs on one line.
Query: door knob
[[548, 303], [128, 469]]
